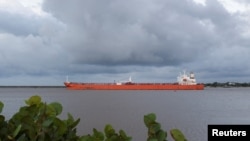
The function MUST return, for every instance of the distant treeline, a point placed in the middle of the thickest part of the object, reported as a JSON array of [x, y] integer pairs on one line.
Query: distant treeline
[[227, 84]]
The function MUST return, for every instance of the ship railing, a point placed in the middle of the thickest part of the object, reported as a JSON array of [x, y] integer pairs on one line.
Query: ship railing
[[93, 83], [126, 83], [153, 83]]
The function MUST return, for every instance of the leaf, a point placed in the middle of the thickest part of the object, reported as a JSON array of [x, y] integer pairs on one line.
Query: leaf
[[98, 135], [33, 100], [2, 118], [162, 135], [154, 128], [71, 122], [70, 119], [17, 130], [57, 107], [109, 131], [74, 124], [49, 110], [152, 139], [177, 135], [149, 119], [1, 106], [60, 125], [86, 138], [124, 136], [47, 122]]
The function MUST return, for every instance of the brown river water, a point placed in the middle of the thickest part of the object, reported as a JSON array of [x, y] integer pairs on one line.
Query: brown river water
[[189, 111]]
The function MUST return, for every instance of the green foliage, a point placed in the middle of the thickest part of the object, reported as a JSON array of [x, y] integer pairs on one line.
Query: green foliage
[[108, 135], [177, 135], [39, 121], [155, 133], [1, 106]]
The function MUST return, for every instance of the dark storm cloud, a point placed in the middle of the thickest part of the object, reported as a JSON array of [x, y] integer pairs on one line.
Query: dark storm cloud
[[143, 32], [131, 32]]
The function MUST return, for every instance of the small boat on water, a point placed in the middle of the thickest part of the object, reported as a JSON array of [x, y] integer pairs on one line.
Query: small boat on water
[[184, 82]]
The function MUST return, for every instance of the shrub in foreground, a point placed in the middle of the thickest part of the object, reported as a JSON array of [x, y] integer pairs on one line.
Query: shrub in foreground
[[39, 121]]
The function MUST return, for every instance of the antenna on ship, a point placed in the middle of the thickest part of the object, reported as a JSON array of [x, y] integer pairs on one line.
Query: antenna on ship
[[67, 78]]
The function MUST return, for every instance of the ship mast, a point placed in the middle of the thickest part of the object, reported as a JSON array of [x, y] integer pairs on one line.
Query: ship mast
[[67, 78]]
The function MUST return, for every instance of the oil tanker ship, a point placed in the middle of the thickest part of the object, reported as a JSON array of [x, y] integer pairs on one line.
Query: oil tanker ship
[[184, 82]]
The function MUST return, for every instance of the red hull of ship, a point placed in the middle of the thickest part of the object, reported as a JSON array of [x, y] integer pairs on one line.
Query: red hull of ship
[[131, 86]]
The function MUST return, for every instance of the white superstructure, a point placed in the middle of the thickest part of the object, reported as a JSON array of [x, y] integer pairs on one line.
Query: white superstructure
[[126, 81], [184, 79]]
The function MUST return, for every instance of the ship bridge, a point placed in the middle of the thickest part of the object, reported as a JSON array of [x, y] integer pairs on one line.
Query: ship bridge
[[184, 79]]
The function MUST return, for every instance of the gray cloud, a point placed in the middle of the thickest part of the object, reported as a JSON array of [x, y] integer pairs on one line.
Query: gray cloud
[[146, 39], [121, 33], [149, 33], [18, 24]]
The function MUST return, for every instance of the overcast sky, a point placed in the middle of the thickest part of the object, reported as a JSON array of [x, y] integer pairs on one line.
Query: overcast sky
[[43, 41]]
